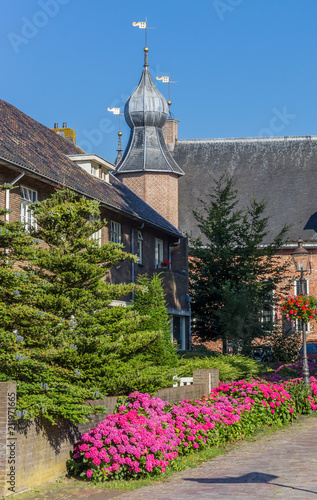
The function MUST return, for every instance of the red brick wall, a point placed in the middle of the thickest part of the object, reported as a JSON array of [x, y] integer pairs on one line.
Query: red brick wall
[[175, 280], [170, 133], [290, 278], [159, 190]]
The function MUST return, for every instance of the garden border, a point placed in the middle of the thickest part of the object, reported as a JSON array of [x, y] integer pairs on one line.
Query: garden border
[[33, 452]]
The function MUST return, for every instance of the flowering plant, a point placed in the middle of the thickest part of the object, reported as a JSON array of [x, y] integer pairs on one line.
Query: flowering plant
[[147, 434], [166, 263], [303, 307]]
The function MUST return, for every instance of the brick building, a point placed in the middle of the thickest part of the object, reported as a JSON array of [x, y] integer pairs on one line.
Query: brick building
[[38, 160], [280, 170]]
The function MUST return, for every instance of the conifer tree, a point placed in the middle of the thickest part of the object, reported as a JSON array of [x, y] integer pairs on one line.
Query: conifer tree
[[150, 303], [60, 338], [233, 274]]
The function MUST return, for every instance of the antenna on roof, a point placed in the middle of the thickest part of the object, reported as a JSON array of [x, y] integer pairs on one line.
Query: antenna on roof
[[116, 111], [166, 79]]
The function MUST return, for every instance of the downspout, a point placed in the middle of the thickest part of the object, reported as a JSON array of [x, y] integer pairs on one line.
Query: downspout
[[189, 299], [7, 196], [132, 251]]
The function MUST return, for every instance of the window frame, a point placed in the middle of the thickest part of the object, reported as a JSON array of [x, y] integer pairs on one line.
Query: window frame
[[115, 232], [97, 235], [182, 325], [159, 252], [140, 247], [94, 170], [298, 324], [27, 197]]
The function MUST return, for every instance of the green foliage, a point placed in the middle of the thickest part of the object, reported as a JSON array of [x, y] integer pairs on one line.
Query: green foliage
[[59, 338], [299, 393], [232, 274], [234, 367], [286, 346], [150, 303]]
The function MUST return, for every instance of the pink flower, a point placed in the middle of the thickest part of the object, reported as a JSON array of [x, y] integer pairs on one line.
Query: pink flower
[[89, 473]]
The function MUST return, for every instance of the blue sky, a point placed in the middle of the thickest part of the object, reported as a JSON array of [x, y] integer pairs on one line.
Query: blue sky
[[244, 67]]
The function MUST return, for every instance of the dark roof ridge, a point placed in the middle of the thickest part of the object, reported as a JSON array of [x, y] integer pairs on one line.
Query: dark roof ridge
[[253, 139]]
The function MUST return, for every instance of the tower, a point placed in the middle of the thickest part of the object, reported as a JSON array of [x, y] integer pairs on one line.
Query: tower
[[147, 166]]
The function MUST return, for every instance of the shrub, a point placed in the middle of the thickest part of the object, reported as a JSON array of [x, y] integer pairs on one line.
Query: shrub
[[234, 367], [147, 434]]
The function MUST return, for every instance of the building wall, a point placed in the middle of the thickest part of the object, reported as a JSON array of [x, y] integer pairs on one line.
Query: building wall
[[287, 287], [175, 280], [159, 190], [170, 133]]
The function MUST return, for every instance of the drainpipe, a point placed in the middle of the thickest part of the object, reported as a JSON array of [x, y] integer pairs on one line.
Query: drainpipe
[[188, 300], [132, 251], [7, 196], [170, 245]]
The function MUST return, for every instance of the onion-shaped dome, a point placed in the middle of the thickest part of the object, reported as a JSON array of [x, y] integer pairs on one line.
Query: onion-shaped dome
[[146, 106], [146, 111]]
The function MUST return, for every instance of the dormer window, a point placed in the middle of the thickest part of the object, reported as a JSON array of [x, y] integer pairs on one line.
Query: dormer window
[[94, 170], [94, 165]]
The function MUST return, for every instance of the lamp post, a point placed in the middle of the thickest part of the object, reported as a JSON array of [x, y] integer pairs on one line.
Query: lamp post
[[301, 259]]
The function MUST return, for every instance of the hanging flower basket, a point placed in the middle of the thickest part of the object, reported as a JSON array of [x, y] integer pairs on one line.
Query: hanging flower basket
[[302, 307]]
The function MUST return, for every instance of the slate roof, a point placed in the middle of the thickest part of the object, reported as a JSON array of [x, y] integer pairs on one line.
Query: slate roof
[[145, 112], [281, 170], [34, 147]]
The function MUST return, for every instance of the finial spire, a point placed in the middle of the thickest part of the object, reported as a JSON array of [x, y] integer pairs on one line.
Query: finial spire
[[143, 25], [116, 111], [119, 150], [146, 62], [166, 79]]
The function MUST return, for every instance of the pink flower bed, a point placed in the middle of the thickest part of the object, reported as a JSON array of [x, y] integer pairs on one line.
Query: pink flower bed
[[147, 434]]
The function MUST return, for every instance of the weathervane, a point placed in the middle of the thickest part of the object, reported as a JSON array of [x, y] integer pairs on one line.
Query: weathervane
[[116, 111], [166, 79], [143, 26]]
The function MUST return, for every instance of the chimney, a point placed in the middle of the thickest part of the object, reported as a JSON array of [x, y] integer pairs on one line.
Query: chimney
[[68, 133], [170, 132]]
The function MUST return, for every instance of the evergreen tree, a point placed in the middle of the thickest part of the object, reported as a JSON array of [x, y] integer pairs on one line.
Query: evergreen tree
[[150, 303], [60, 339], [232, 273]]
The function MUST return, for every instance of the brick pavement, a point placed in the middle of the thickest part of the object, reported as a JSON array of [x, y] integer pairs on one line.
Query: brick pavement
[[282, 465]]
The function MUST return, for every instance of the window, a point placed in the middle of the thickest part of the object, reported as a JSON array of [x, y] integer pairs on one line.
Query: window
[[267, 306], [158, 252], [301, 287], [267, 313], [95, 170], [115, 233], [97, 235], [140, 247], [178, 331], [28, 196]]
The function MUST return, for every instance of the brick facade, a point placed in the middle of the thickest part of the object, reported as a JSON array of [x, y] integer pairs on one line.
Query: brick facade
[[158, 189], [289, 284], [175, 280], [170, 133]]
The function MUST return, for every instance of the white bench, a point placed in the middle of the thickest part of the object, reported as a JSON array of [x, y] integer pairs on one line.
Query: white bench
[[182, 381]]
